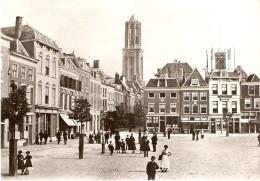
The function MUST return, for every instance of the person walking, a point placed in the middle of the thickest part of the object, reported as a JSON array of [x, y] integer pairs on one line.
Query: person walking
[[106, 137], [151, 168], [258, 139], [127, 140], [202, 133], [99, 137], [20, 159], [58, 135], [154, 141], [197, 135], [118, 146], [111, 148], [142, 143], [28, 162], [45, 135], [65, 137], [193, 135], [117, 140], [123, 146], [132, 143], [165, 164], [146, 147], [169, 132], [41, 136]]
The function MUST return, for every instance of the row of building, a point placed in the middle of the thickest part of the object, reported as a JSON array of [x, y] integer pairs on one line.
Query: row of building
[[54, 79], [181, 98]]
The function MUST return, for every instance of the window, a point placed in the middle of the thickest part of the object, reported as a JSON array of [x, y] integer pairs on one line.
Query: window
[[65, 101], [151, 108], [203, 109], [150, 95], [234, 107], [162, 108], [215, 89], [173, 95], [23, 75], [257, 103], [203, 96], [41, 62], [215, 106], [53, 96], [251, 90], [195, 96], [224, 89], [186, 96], [14, 70], [47, 67], [194, 82], [234, 89], [131, 65], [186, 109], [244, 115], [61, 100], [195, 109], [173, 108], [39, 94], [247, 103], [224, 107], [46, 95], [54, 68], [162, 95], [29, 95], [30, 73]]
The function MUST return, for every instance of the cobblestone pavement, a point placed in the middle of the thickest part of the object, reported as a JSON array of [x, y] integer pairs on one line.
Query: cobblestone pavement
[[214, 157]]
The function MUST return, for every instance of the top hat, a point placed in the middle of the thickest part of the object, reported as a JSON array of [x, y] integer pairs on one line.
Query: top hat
[[20, 151], [28, 152]]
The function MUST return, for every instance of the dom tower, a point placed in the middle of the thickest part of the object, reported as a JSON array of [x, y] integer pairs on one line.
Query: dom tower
[[133, 53]]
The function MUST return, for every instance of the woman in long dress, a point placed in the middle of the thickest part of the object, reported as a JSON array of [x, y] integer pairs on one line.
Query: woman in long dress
[[165, 164]]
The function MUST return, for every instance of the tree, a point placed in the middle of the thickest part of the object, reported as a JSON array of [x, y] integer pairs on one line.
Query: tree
[[227, 117], [139, 115], [81, 112], [121, 115], [14, 108]]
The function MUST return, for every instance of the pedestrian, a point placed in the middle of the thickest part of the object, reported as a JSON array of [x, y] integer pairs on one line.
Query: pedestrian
[[151, 168], [132, 143], [20, 159], [146, 147], [169, 132], [106, 137], [28, 163], [111, 148], [165, 164], [96, 138], [117, 141], [45, 135], [258, 139], [65, 137], [127, 140], [36, 139], [193, 135], [123, 146], [154, 141], [202, 133], [142, 143], [197, 135], [41, 136], [58, 136], [99, 137]]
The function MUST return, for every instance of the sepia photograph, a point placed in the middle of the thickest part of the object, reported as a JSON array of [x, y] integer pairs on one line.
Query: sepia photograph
[[130, 89]]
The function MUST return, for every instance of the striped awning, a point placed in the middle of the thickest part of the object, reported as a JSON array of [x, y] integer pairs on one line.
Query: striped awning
[[69, 122]]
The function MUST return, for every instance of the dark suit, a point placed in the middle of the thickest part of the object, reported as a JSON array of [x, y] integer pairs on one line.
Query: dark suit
[[151, 170], [154, 142]]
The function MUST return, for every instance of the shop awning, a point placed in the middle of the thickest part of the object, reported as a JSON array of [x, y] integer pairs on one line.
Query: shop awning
[[195, 121], [67, 120]]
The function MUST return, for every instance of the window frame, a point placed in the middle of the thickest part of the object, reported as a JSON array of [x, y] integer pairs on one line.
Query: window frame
[[172, 106], [222, 87], [15, 70], [45, 94], [246, 104], [161, 96], [235, 86], [23, 72], [215, 108], [193, 105], [30, 75], [151, 97], [203, 96], [186, 94], [195, 93], [213, 89], [184, 106], [173, 97], [203, 106], [249, 90], [151, 105]]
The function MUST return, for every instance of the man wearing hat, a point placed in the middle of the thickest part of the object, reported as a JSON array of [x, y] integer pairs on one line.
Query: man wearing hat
[[20, 159]]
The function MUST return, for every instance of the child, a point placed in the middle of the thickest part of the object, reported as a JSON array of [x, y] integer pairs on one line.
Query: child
[[28, 162], [111, 148], [123, 146], [118, 145], [151, 169], [20, 159]]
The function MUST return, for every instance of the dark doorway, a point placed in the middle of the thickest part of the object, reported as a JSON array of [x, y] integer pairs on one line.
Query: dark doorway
[[213, 128], [162, 126]]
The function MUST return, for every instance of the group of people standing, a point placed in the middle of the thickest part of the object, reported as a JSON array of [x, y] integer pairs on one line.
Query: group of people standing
[[43, 135], [24, 167], [94, 137], [65, 136], [196, 133]]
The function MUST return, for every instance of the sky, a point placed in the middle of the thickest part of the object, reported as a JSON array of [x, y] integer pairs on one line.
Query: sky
[[171, 29]]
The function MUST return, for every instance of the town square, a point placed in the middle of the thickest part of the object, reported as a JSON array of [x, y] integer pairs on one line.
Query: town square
[[130, 90]]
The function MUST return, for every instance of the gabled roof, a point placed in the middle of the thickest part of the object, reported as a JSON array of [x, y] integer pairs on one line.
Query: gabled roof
[[163, 83], [253, 78], [241, 71], [17, 46], [29, 33], [195, 75], [133, 18], [175, 68], [224, 73]]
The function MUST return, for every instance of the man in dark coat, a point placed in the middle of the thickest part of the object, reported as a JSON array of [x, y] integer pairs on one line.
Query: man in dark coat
[[127, 140], [197, 135], [106, 137], [98, 137], [258, 139], [132, 143], [154, 141], [146, 147], [45, 135], [117, 142], [193, 135], [58, 136], [65, 137], [169, 133], [41, 136], [151, 169]]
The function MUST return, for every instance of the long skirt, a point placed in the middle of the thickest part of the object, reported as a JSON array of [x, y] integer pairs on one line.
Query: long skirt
[[165, 162]]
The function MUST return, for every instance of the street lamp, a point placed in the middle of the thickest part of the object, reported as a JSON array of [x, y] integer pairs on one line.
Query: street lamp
[[227, 117]]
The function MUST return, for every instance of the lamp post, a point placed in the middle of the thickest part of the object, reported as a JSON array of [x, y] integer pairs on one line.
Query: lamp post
[[103, 116], [227, 117]]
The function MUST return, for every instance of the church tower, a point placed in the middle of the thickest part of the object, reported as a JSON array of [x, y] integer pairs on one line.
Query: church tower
[[133, 53]]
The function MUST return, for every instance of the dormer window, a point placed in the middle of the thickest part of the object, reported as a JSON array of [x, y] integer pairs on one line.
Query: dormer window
[[194, 82]]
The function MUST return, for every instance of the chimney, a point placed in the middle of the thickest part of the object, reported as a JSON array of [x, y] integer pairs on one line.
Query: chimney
[[175, 60], [18, 27], [158, 70], [96, 63]]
